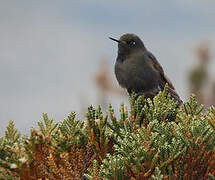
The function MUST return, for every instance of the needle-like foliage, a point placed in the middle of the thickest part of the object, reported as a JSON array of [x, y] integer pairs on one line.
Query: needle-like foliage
[[156, 139]]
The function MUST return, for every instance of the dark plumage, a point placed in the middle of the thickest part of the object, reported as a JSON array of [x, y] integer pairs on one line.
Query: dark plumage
[[137, 69]]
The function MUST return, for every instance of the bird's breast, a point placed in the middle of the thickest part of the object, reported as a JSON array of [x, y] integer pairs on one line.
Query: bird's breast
[[136, 74]]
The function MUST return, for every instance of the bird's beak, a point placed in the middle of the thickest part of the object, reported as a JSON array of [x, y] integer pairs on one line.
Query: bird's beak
[[114, 39]]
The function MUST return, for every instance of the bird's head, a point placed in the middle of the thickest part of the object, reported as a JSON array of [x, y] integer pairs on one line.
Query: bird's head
[[129, 43]]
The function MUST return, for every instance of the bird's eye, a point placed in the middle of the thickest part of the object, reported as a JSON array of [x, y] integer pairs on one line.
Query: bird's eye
[[131, 43]]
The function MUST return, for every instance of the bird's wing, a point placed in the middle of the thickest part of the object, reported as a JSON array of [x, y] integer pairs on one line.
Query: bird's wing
[[159, 68]]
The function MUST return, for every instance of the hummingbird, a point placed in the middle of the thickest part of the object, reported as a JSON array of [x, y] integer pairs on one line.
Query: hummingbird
[[138, 70]]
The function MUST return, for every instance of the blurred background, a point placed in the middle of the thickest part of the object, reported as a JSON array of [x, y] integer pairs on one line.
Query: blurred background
[[55, 56]]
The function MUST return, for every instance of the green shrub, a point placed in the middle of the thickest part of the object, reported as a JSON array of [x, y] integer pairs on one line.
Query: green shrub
[[156, 139]]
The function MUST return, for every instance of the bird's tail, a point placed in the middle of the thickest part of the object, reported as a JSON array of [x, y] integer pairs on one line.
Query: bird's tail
[[174, 95], [151, 94]]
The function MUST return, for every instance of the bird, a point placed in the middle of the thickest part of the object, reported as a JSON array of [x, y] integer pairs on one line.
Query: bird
[[138, 70]]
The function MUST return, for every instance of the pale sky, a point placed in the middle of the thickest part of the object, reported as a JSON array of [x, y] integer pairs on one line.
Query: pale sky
[[50, 50]]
